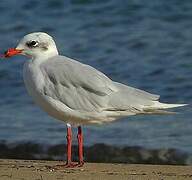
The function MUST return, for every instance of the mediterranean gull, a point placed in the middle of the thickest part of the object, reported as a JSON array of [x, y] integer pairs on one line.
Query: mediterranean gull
[[78, 93]]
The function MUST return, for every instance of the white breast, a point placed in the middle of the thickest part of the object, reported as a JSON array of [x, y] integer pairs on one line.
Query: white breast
[[35, 81]]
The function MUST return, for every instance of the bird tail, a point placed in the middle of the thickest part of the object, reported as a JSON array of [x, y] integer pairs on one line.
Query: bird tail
[[158, 108], [159, 105]]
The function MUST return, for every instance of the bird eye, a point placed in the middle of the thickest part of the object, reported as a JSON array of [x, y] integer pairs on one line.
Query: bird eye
[[32, 44]]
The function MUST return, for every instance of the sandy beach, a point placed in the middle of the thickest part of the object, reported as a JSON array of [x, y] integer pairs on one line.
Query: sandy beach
[[43, 170]]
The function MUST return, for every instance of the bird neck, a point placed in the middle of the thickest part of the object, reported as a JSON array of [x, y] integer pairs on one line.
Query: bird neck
[[41, 57]]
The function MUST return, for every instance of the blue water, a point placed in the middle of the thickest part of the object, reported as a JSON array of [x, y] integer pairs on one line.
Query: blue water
[[143, 43]]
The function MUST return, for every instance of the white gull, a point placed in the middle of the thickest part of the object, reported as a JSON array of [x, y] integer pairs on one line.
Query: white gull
[[78, 93]]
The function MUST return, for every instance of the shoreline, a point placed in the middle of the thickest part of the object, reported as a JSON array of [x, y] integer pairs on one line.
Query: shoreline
[[97, 153], [42, 170]]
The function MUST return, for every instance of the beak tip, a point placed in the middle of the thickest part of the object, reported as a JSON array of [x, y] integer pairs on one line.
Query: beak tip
[[11, 52]]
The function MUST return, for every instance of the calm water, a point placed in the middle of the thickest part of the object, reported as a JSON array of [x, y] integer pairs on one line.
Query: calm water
[[143, 43]]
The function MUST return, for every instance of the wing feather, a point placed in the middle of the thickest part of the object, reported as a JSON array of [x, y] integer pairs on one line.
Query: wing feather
[[83, 88], [78, 86]]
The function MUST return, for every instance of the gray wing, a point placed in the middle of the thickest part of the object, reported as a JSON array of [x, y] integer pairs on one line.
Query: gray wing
[[131, 99], [79, 86], [83, 88]]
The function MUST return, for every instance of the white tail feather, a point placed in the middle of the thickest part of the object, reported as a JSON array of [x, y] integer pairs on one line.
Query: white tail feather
[[159, 105]]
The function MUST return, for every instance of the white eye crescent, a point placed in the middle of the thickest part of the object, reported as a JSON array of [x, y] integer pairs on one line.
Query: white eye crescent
[[32, 44]]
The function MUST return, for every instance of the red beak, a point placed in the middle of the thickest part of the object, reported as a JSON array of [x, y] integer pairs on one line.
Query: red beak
[[11, 52]]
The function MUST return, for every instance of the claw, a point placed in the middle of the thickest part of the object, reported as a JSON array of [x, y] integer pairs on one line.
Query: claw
[[67, 165], [80, 164]]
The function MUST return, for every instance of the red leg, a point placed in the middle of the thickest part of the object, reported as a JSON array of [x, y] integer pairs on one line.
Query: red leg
[[80, 146], [69, 163], [69, 146]]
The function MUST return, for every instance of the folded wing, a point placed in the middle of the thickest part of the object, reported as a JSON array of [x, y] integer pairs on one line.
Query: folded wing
[[78, 86], [83, 88]]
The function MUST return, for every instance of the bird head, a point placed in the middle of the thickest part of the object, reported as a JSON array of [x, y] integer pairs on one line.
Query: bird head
[[34, 45]]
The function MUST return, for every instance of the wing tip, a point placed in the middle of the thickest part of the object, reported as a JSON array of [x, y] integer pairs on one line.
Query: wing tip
[[159, 105]]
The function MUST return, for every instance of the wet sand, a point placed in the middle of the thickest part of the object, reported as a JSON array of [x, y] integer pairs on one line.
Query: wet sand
[[43, 170]]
